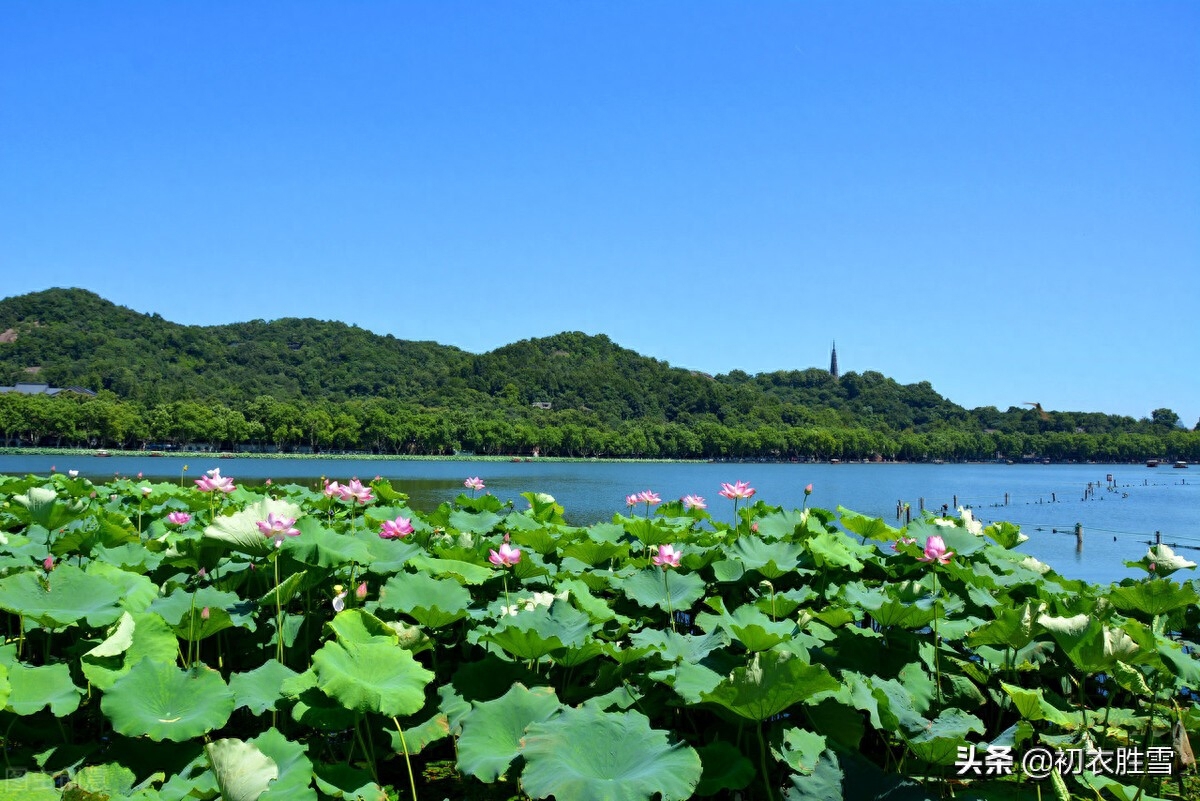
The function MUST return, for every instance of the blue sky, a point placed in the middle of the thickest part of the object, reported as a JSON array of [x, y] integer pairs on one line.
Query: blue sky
[[1002, 198]]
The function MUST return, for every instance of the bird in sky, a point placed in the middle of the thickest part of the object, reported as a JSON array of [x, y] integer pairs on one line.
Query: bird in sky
[[1039, 409]]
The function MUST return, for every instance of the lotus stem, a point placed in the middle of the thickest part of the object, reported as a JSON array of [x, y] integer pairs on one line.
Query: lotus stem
[[937, 655], [762, 756], [278, 614], [667, 590], [412, 783]]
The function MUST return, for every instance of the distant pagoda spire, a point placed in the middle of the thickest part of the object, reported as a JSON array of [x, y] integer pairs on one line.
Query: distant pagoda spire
[[833, 368]]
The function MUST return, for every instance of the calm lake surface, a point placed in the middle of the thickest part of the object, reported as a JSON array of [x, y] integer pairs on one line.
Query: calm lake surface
[[1045, 500]]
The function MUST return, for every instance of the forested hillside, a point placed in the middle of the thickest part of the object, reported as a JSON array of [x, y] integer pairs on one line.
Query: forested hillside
[[303, 383]]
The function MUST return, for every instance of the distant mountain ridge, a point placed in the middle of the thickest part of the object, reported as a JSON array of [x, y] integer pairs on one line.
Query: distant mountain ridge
[[73, 337]]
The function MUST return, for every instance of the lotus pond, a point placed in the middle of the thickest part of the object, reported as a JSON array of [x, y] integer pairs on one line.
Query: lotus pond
[[199, 639]]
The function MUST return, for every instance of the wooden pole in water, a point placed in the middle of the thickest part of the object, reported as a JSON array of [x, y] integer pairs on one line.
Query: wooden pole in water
[[921, 504], [1158, 538], [956, 501], [1079, 534]]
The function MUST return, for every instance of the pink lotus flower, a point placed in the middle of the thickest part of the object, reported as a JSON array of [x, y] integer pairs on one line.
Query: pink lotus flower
[[360, 592], [48, 563], [268, 482], [737, 491], [179, 518], [355, 491], [667, 557], [694, 502], [935, 551], [204, 613], [214, 481], [139, 474], [505, 557], [395, 529], [632, 500], [332, 488], [278, 527], [648, 497], [475, 483], [898, 544]]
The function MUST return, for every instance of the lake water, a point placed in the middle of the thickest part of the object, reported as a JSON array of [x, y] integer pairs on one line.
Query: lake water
[[1046, 500]]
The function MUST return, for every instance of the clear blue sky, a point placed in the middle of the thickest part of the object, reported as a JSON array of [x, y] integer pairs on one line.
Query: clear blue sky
[[1002, 198]]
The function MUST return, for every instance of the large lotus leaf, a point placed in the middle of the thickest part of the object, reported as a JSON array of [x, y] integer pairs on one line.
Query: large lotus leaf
[[771, 560], [60, 598], [533, 633], [184, 612], [416, 738], [243, 772], [43, 507], [588, 755], [316, 710], [162, 702], [938, 742], [338, 780], [543, 507], [596, 608], [799, 749], [781, 525], [492, 731], [1155, 597], [1032, 705], [837, 550], [1007, 535], [385, 557], [107, 781], [134, 638], [1161, 561], [897, 710], [654, 587], [371, 677], [871, 528], [463, 572], [137, 591], [725, 768], [90, 534], [30, 689], [1012, 627], [771, 683], [30, 787], [295, 768], [475, 523], [358, 626], [824, 783], [1092, 646], [260, 689], [591, 552], [750, 626], [431, 602], [240, 532], [676, 647]]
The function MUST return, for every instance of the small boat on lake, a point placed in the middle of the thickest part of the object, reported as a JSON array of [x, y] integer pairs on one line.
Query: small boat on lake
[[1151, 463], [101, 453], [1180, 465]]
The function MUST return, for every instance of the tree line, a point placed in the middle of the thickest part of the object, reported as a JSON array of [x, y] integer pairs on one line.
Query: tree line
[[389, 426]]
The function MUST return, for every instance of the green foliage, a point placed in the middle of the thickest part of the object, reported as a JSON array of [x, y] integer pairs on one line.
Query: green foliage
[[797, 656]]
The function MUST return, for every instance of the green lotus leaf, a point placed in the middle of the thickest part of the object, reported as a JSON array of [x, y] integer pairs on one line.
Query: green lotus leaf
[[359, 626], [475, 523], [321, 547], [588, 755], [1156, 597], [800, 749], [371, 677], [339, 780], [663, 588], [824, 783], [30, 786], [591, 552], [771, 683], [43, 507], [33, 688], [534, 633], [1032, 705], [725, 768], [162, 702], [243, 772], [295, 768], [316, 710], [1161, 561], [750, 626], [184, 612], [492, 731], [137, 592], [385, 557], [837, 550], [676, 647], [939, 741], [61, 598], [1006, 535], [897, 710], [1013, 627], [134, 638], [1092, 646], [239, 531], [771, 560], [781, 525], [416, 738], [107, 781], [872, 528], [260, 689], [464, 572], [431, 602], [543, 507]]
